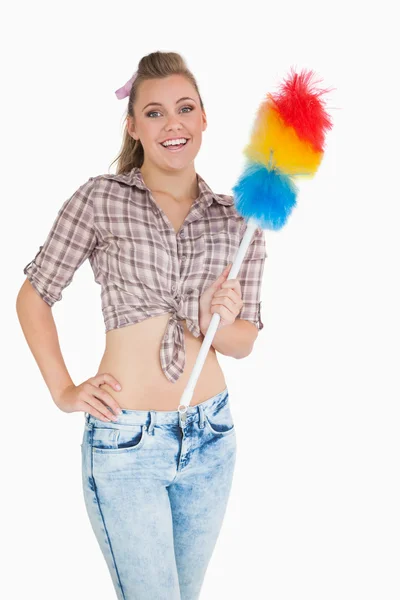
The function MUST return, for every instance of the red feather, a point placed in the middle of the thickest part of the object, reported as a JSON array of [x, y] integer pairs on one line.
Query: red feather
[[301, 108]]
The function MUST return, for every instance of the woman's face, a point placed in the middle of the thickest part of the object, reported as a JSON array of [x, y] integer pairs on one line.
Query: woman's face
[[168, 108]]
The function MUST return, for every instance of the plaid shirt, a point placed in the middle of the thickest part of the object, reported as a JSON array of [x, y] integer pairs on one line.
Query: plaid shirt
[[144, 267]]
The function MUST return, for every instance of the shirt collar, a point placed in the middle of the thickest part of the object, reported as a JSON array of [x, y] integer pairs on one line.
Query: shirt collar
[[134, 178]]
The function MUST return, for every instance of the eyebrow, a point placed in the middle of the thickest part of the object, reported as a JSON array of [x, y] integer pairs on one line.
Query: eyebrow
[[159, 103]]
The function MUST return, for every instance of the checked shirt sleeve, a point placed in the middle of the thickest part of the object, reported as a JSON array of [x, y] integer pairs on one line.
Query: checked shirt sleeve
[[250, 278], [69, 242]]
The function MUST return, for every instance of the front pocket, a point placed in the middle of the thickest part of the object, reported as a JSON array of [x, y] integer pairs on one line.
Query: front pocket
[[220, 420], [121, 438], [220, 248]]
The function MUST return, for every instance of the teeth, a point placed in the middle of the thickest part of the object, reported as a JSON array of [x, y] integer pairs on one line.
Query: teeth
[[174, 142]]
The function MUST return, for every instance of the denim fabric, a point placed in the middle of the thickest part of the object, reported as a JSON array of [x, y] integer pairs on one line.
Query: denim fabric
[[156, 492]]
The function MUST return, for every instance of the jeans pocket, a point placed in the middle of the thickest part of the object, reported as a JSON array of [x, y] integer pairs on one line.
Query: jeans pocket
[[219, 419], [118, 438]]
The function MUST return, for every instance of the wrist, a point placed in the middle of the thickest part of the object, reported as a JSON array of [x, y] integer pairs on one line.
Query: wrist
[[57, 397], [203, 327]]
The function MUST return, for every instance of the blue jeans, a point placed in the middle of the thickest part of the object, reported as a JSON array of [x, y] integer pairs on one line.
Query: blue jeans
[[156, 490]]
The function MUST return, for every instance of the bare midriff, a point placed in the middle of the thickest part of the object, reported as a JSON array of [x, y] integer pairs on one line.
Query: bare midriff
[[132, 353], [132, 356]]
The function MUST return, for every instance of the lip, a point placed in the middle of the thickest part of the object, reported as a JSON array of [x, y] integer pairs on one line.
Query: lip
[[173, 149]]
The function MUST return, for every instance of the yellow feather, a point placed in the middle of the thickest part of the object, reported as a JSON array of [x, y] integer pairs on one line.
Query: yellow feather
[[275, 144]]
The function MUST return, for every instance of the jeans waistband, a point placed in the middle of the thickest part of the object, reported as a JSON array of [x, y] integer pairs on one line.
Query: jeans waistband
[[161, 417]]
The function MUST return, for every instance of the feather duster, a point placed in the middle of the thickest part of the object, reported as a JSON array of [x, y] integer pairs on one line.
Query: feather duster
[[286, 141]]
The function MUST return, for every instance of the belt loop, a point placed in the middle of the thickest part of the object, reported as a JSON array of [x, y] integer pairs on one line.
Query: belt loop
[[201, 416], [88, 424], [152, 422]]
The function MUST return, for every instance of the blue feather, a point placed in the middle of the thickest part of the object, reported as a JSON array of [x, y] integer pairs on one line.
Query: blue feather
[[267, 195]]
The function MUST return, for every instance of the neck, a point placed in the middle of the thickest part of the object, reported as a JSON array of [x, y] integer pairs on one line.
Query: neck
[[180, 185]]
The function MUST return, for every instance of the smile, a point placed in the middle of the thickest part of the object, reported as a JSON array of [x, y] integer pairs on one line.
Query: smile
[[174, 147]]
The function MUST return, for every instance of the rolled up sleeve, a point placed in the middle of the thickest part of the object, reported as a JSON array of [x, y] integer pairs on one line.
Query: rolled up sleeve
[[69, 242], [250, 278]]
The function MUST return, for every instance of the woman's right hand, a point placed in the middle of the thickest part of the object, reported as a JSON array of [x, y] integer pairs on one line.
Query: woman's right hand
[[88, 397]]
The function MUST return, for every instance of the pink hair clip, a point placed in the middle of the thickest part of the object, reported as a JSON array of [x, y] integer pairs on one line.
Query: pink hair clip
[[125, 90]]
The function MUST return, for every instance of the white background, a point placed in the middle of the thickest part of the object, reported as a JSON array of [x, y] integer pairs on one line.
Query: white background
[[314, 509]]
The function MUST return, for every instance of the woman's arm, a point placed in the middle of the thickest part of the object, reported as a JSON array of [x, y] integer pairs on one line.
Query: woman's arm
[[38, 326], [236, 340], [69, 242]]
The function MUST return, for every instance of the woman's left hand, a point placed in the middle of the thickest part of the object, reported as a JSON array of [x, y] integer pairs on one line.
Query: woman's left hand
[[222, 297]]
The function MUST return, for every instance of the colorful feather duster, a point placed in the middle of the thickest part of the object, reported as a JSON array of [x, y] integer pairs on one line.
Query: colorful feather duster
[[287, 141]]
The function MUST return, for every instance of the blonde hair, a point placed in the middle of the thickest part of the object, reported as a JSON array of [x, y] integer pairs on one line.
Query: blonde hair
[[153, 66]]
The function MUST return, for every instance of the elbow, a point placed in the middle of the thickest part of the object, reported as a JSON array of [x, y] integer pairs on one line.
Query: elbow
[[245, 352], [248, 339]]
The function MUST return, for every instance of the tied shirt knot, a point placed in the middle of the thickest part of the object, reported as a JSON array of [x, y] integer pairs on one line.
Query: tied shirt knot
[[184, 307]]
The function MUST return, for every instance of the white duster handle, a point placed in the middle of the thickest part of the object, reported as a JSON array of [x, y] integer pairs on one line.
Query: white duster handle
[[187, 395]]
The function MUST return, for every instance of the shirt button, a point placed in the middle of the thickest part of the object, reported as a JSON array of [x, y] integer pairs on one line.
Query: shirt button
[[182, 234], [183, 257]]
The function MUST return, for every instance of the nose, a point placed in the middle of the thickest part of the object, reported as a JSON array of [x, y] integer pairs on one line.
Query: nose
[[174, 122]]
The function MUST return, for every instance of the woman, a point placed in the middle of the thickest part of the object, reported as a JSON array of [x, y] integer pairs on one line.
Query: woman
[[160, 242]]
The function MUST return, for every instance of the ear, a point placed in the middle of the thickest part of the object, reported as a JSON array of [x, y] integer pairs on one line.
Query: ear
[[204, 120], [131, 128]]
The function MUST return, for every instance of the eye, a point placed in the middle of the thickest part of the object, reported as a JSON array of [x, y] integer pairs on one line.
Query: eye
[[152, 112]]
